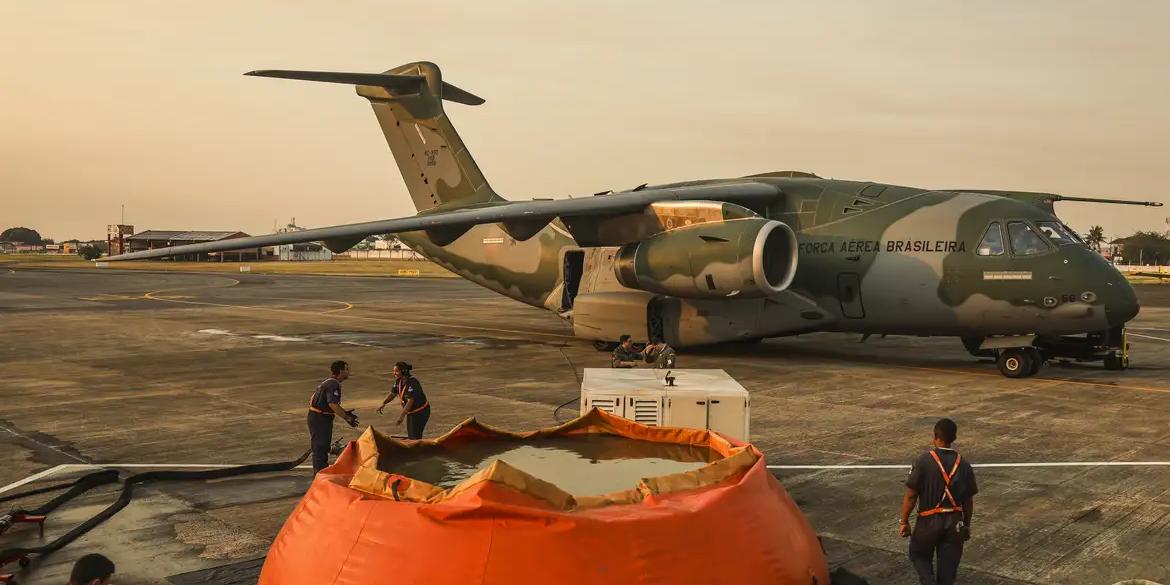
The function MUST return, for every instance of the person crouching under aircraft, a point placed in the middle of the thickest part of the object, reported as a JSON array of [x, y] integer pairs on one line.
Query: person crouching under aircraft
[[416, 410]]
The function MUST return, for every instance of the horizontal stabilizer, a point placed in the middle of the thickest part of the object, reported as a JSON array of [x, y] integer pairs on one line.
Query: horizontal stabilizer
[[410, 83]]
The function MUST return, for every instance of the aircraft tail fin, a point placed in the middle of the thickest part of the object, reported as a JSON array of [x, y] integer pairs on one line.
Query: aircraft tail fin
[[408, 102]]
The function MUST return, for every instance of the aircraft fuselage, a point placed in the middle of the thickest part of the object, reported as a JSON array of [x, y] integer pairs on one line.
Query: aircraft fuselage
[[874, 258]]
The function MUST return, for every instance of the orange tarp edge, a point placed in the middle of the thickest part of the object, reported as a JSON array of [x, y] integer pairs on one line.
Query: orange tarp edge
[[728, 522], [367, 478]]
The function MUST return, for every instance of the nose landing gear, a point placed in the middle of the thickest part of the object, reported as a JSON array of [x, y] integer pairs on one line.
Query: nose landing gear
[[1020, 356]]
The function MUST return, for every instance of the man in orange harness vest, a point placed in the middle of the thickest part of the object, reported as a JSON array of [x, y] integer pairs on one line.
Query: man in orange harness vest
[[943, 485], [324, 407]]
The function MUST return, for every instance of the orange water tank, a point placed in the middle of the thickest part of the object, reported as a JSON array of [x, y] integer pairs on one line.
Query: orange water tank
[[727, 521]]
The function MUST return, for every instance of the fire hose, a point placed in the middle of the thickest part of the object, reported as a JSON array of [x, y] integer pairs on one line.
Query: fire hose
[[23, 555], [37, 515]]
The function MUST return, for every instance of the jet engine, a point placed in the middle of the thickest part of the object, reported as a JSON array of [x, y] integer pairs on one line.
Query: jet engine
[[750, 258]]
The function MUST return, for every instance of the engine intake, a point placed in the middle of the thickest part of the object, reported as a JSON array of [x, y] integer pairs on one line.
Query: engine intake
[[751, 257]]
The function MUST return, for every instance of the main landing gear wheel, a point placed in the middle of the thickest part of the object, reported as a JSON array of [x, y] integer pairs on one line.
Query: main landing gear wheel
[[604, 345], [1038, 361], [1019, 362]]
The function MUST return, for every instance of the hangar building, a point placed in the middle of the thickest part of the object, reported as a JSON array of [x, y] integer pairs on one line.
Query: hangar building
[[151, 239]]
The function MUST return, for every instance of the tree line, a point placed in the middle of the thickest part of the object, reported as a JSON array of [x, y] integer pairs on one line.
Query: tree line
[[30, 237]]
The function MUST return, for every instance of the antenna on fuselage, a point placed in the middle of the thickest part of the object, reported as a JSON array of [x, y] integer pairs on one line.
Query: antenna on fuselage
[[1111, 201]]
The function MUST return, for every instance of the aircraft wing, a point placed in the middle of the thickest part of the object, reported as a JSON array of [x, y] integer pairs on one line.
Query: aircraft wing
[[519, 218]]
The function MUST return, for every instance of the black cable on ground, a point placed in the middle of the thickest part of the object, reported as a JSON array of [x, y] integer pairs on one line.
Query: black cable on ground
[[21, 553], [60, 486], [82, 485], [557, 410]]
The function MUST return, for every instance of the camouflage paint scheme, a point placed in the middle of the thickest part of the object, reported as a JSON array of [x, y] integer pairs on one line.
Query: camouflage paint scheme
[[873, 258], [847, 256]]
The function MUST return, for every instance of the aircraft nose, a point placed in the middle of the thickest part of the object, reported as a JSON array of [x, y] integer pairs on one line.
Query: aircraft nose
[[1121, 303]]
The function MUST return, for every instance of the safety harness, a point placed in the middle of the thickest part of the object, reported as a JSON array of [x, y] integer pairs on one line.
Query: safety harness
[[313, 398], [946, 497], [402, 386]]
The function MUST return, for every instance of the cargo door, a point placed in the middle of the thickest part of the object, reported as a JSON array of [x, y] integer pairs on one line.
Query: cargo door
[[572, 269], [655, 328], [688, 412], [645, 410], [849, 292], [612, 403], [728, 415]]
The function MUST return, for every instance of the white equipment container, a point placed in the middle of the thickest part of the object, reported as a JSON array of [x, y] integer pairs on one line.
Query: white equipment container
[[699, 399]]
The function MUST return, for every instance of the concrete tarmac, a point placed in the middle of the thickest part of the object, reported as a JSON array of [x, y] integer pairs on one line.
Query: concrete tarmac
[[119, 367]]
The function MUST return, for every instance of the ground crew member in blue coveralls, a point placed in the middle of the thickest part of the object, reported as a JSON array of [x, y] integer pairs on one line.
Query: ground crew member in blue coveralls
[[943, 484], [324, 406], [416, 409]]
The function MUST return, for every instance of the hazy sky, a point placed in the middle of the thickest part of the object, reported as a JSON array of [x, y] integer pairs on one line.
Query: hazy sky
[[143, 103]]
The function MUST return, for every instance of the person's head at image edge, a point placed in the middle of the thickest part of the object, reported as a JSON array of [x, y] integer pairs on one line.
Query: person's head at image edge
[[92, 569]]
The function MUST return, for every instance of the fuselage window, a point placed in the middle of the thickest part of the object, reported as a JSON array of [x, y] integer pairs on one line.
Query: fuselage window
[[1056, 233], [1025, 241], [992, 244]]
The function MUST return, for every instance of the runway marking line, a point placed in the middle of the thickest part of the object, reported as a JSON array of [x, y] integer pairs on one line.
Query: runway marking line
[[157, 295], [150, 295], [993, 465], [1060, 380], [153, 296], [1131, 334], [80, 466], [44, 445], [34, 477], [1146, 329]]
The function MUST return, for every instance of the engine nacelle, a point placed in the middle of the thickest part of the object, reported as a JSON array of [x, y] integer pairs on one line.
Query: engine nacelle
[[751, 257]]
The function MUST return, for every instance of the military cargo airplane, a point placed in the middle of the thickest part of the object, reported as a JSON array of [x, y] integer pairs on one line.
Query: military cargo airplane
[[742, 259]]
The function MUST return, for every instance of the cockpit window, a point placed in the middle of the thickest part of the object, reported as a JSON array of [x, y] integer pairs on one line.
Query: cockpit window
[[1057, 233], [992, 243], [1025, 241]]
